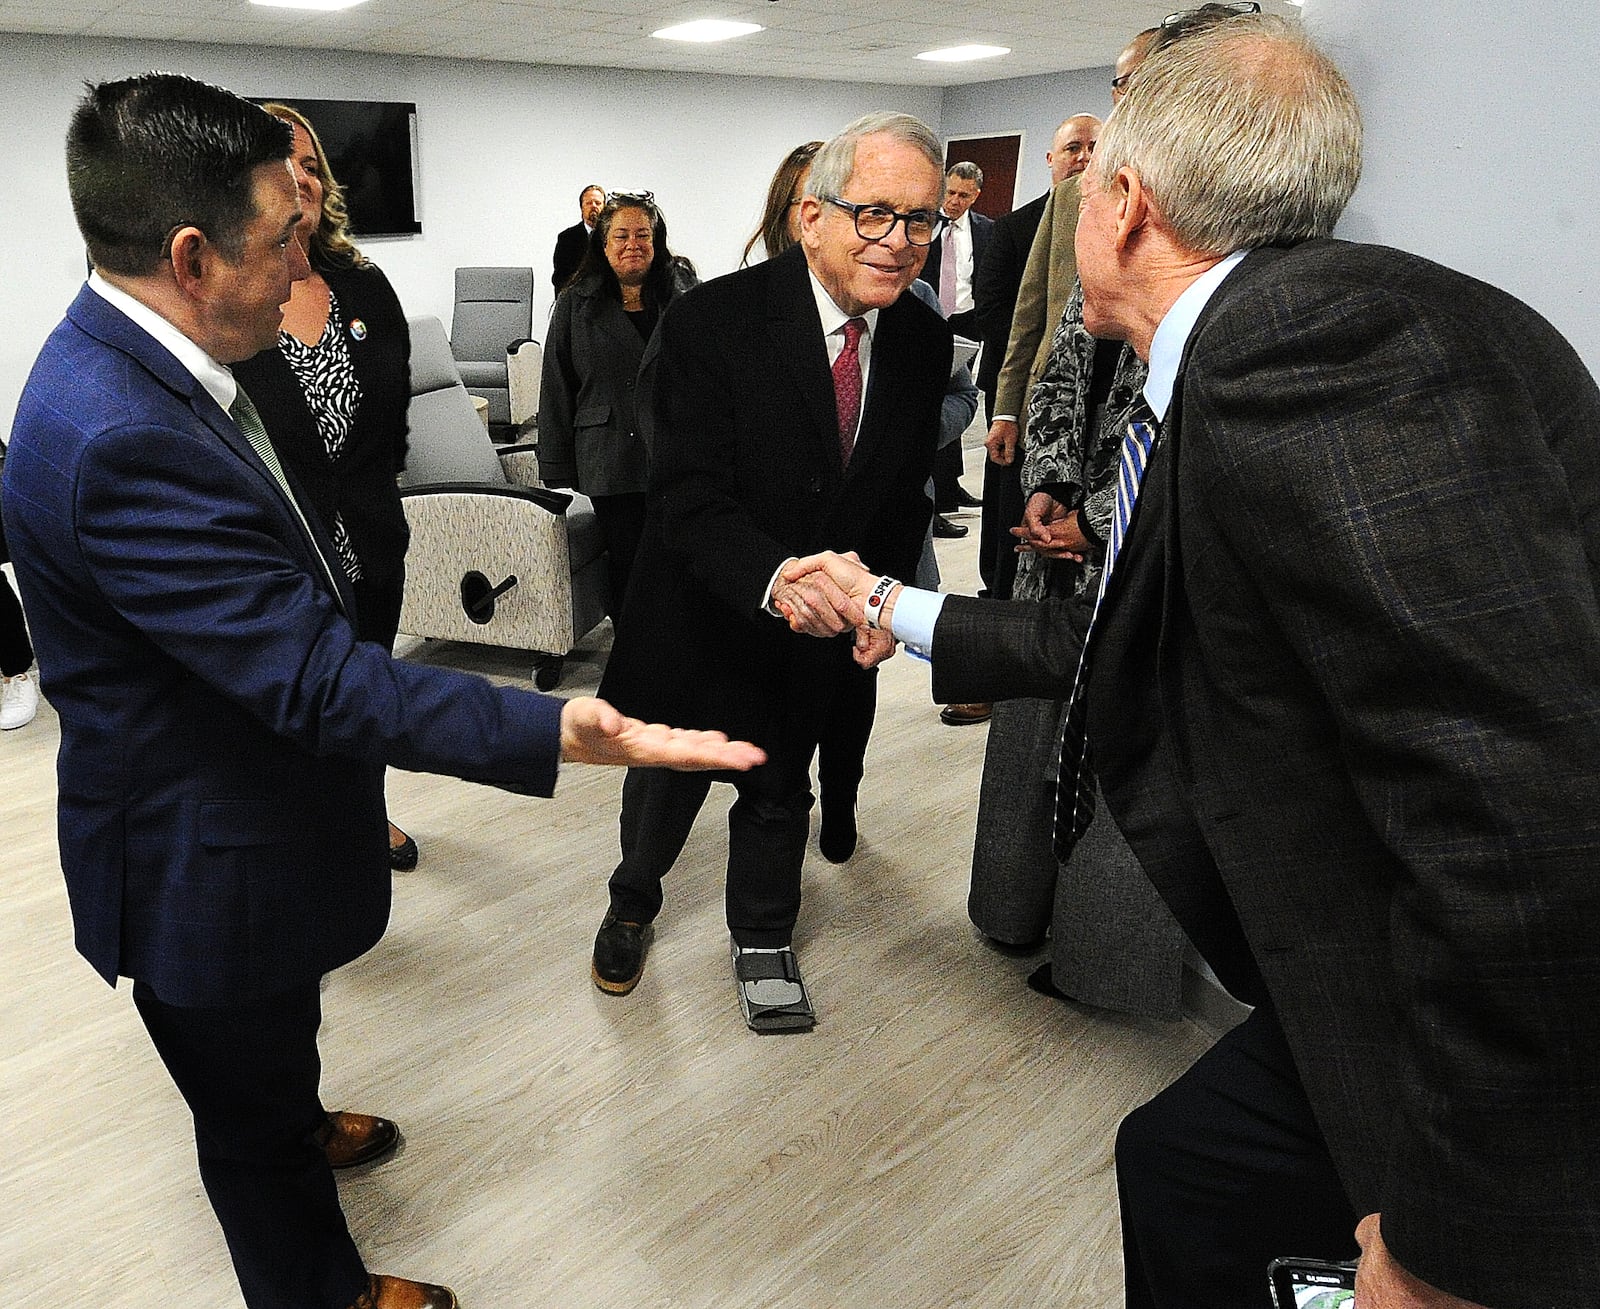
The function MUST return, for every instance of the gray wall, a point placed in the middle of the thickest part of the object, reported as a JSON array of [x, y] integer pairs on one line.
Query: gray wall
[[504, 149], [1482, 142], [1033, 106]]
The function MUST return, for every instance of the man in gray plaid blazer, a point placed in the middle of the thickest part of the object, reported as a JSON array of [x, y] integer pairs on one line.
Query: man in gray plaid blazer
[[1343, 698]]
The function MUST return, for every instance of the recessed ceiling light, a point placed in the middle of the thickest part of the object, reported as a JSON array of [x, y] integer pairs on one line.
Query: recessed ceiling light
[[309, 4], [957, 54], [707, 29]]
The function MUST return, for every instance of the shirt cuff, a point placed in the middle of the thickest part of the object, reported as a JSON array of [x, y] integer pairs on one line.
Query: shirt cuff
[[915, 614], [772, 585]]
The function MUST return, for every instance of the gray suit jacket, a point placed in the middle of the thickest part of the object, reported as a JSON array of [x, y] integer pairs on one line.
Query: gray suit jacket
[[1364, 578], [1047, 280]]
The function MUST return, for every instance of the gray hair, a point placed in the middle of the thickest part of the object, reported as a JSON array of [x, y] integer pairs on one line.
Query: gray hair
[[969, 171], [831, 170], [1244, 135]]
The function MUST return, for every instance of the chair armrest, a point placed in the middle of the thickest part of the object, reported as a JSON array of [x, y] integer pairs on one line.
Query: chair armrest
[[524, 371], [520, 463], [554, 502]]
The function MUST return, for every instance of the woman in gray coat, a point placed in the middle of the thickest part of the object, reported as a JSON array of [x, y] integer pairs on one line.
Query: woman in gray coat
[[589, 425]]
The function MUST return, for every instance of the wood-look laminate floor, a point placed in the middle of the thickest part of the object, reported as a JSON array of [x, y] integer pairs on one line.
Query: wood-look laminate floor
[[942, 1138]]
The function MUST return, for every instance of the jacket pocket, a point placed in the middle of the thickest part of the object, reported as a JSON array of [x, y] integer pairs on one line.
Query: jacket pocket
[[235, 824]]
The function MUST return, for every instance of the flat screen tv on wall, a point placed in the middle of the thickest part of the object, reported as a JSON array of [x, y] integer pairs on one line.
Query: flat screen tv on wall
[[372, 149]]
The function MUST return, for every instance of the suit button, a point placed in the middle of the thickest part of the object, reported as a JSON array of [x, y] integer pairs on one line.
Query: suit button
[[816, 486]]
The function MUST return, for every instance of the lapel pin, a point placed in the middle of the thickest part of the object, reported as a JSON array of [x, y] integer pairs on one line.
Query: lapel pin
[[358, 329]]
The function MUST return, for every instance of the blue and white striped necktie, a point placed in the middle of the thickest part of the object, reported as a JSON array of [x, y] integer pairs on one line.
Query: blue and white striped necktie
[[1074, 773]]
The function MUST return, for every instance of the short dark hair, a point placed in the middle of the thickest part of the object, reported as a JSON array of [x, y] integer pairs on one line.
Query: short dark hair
[[153, 153]]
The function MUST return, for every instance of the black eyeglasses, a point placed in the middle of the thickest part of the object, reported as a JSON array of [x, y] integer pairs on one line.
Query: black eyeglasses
[[874, 222], [1213, 10]]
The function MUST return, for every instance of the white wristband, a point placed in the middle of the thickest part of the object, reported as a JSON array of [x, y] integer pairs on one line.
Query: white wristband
[[874, 602]]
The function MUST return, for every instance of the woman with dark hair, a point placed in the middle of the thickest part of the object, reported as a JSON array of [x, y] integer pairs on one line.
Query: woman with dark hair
[[333, 398], [780, 222], [589, 415]]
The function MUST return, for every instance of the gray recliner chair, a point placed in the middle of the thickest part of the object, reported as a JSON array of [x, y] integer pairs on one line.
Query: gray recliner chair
[[492, 319], [495, 558]]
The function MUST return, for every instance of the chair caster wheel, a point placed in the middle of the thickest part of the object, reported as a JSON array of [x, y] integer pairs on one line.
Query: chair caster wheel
[[547, 673]]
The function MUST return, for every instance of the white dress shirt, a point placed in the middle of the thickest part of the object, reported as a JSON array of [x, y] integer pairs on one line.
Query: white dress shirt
[[960, 232], [216, 378]]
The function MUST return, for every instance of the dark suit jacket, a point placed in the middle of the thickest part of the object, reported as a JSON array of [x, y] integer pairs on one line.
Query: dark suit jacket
[[223, 732], [982, 226], [998, 278], [747, 472], [360, 485], [588, 426], [1363, 577], [570, 245]]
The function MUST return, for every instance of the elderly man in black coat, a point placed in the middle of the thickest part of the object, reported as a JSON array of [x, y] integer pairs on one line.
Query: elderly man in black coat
[[797, 409]]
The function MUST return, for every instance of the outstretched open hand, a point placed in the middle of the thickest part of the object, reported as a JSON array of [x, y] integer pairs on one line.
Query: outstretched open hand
[[593, 732]]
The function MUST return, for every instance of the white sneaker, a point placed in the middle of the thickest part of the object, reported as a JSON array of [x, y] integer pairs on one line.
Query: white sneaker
[[19, 703]]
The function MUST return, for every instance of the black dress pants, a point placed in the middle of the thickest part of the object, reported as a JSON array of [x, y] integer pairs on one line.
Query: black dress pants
[[249, 1074], [1002, 510], [1223, 1172], [842, 742], [621, 520], [767, 826], [767, 830], [16, 651]]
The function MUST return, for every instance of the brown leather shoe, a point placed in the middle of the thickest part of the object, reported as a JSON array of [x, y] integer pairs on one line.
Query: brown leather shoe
[[961, 715], [353, 1139], [397, 1293]]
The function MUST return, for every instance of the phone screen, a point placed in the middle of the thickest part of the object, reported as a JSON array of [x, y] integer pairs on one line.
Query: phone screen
[[1310, 1284]]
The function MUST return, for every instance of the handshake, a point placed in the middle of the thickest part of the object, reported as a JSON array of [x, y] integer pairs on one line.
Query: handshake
[[827, 594]]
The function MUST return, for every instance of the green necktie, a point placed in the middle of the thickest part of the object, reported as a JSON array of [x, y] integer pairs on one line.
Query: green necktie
[[243, 412]]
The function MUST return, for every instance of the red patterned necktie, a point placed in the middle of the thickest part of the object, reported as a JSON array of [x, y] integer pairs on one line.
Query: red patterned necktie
[[847, 386]]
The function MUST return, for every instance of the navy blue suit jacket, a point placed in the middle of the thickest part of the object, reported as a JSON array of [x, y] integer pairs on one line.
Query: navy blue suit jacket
[[223, 732]]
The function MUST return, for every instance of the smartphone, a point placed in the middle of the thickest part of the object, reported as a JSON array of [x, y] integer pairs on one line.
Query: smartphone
[[1312, 1284]]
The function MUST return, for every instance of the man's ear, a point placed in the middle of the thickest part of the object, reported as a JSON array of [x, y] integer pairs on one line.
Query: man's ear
[[1132, 204], [810, 216], [189, 250]]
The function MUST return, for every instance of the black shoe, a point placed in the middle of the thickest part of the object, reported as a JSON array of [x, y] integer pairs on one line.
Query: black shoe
[[964, 499], [403, 857], [942, 526], [619, 950], [837, 836]]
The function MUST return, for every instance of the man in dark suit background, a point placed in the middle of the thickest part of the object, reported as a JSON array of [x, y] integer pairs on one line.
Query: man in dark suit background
[[951, 270], [572, 241], [797, 408], [223, 732], [1343, 694]]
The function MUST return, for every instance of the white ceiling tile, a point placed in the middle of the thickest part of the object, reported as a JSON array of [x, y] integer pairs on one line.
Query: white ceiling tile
[[839, 40]]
